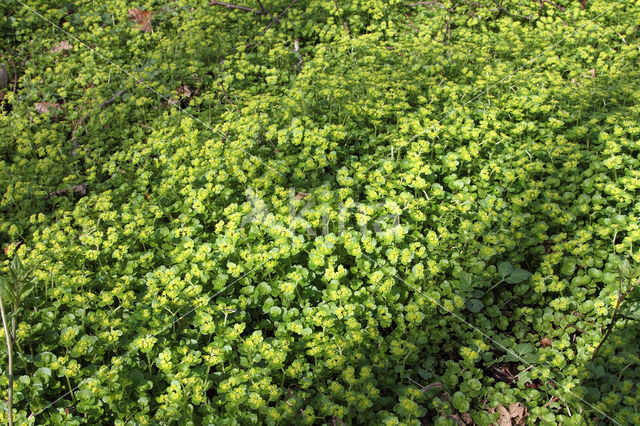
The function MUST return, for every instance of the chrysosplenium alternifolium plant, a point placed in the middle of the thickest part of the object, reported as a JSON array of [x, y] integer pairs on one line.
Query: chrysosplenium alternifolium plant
[[450, 161]]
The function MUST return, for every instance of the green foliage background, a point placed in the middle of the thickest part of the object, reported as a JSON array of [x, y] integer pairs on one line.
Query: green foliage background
[[502, 137]]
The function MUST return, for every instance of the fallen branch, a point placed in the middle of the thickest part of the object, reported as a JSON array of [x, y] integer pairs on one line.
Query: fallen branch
[[86, 117], [239, 7], [277, 18], [554, 5]]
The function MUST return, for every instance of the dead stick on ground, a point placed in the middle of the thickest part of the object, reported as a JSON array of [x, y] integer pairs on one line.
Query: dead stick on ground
[[262, 9]]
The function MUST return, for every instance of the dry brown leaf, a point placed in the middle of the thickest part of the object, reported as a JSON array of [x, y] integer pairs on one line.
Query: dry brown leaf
[[505, 416], [518, 413], [61, 46], [466, 418], [301, 195], [184, 90], [142, 18], [592, 72], [46, 107], [545, 342]]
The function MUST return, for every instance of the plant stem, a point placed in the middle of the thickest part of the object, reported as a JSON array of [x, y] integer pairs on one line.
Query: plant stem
[[13, 323], [7, 337], [621, 298], [73, 396]]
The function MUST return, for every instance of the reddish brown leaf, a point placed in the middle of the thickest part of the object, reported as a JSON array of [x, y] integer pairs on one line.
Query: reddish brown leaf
[[142, 18], [545, 342]]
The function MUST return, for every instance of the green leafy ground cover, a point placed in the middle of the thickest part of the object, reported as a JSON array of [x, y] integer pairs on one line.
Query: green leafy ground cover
[[425, 214]]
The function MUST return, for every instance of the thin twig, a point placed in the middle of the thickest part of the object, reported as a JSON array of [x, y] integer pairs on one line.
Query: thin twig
[[239, 7], [554, 5], [344, 24], [277, 18], [432, 385], [226, 95], [427, 3], [262, 9], [502, 9], [411, 23]]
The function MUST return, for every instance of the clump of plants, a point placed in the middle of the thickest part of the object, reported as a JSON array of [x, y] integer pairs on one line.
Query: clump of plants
[[320, 212]]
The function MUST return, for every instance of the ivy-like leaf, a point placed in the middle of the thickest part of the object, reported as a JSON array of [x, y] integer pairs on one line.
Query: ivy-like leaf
[[474, 305], [504, 269], [518, 276]]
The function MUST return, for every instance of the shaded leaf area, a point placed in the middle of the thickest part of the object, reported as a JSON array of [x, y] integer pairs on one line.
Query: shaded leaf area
[[231, 217]]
